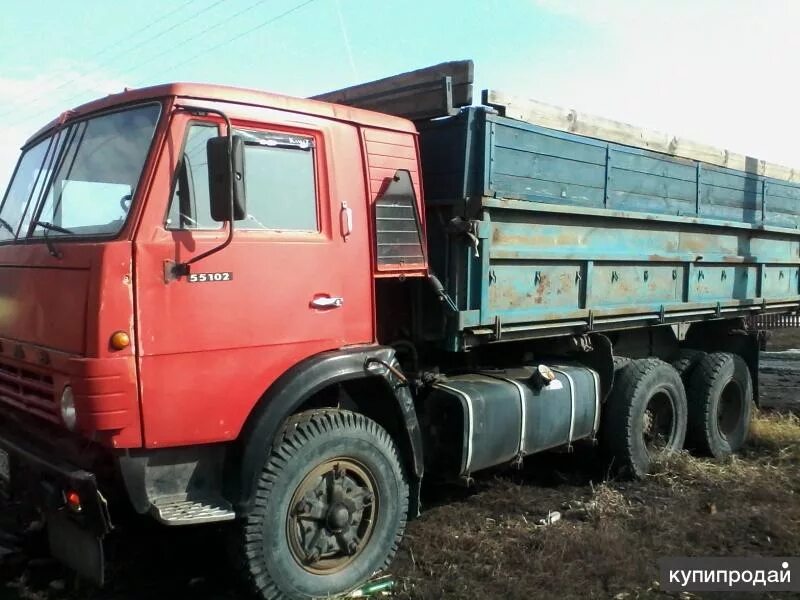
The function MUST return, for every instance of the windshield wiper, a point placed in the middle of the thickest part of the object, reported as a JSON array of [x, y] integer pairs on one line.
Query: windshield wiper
[[51, 227], [4, 224], [51, 248]]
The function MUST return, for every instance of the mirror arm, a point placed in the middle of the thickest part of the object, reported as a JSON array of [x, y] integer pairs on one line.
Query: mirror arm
[[184, 268]]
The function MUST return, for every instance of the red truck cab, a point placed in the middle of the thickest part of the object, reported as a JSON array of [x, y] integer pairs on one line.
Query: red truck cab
[[122, 359]]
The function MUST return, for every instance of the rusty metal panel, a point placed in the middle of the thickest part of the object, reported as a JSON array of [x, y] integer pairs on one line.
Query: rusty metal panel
[[620, 283], [534, 284], [577, 234], [779, 281], [716, 282]]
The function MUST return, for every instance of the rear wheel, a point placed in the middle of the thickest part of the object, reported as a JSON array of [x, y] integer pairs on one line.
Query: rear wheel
[[330, 508], [644, 416], [686, 362], [720, 405]]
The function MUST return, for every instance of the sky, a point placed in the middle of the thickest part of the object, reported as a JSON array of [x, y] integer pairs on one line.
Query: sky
[[721, 72]]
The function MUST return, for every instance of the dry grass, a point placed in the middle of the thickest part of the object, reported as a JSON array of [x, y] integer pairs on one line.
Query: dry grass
[[488, 543], [775, 431]]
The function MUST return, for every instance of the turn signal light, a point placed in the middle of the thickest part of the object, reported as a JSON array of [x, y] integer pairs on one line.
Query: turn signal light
[[74, 501], [120, 340]]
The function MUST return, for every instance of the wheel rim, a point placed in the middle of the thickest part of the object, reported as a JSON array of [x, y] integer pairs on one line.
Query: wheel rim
[[730, 409], [332, 516], [659, 423]]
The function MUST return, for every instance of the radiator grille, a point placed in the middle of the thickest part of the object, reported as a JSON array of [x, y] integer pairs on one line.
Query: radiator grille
[[27, 390]]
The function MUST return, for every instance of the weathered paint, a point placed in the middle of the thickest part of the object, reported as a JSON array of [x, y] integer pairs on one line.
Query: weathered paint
[[578, 228], [240, 336], [56, 319], [201, 356]]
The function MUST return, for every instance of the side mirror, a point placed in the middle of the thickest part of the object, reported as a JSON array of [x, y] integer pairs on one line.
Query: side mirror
[[219, 183]]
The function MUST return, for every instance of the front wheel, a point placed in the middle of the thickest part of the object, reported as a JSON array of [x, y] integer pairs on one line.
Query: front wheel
[[330, 508]]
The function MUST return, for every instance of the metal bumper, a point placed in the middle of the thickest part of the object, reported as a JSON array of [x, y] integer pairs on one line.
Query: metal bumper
[[41, 476]]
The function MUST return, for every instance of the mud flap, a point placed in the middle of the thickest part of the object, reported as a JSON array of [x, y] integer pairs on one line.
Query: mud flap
[[78, 548]]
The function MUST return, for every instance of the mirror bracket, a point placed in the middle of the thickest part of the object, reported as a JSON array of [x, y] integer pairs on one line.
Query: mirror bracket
[[176, 270]]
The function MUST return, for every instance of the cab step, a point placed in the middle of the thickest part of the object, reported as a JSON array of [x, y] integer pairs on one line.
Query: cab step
[[183, 511]]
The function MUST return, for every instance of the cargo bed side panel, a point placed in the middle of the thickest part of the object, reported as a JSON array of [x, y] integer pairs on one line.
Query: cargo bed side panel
[[578, 234]]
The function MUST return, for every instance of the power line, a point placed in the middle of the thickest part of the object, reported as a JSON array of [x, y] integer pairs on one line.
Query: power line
[[197, 35], [116, 55], [105, 50], [224, 42], [240, 35], [145, 27]]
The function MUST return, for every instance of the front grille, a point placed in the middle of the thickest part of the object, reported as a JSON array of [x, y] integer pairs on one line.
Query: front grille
[[28, 390]]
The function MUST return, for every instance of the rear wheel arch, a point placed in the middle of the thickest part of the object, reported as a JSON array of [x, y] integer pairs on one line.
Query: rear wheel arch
[[357, 379]]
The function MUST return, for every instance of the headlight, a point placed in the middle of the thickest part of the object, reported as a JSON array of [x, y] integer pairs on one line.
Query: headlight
[[68, 413]]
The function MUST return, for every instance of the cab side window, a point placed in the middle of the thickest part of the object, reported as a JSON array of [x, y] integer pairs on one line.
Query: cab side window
[[190, 207], [280, 182]]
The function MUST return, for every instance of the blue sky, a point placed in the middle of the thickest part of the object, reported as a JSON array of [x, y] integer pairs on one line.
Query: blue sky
[[717, 71]]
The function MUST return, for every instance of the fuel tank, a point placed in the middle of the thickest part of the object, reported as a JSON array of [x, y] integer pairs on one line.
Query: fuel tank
[[496, 417]]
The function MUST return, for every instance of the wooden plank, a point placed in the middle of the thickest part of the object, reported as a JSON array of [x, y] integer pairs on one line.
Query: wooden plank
[[570, 120], [537, 143], [519, 163], [647, 203], [538, 190], [649, 185], [649, 165], [416, 95]]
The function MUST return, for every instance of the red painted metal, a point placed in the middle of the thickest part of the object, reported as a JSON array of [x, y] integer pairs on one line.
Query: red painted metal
[[201, 355], [56, 317], [244, 97], [32, 379], [208, 352], [384, 153]]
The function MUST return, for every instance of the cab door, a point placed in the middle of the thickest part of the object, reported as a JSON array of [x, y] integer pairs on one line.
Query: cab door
[[295, 281]]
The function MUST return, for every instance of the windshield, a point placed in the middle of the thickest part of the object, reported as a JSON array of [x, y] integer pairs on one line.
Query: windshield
[[80, 180]]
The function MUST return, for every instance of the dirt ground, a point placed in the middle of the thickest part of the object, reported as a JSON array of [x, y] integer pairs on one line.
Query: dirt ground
[[779, 372], [486, 541]]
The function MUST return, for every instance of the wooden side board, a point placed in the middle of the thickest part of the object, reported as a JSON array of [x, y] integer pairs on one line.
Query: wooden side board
[[422, 94], [565, 119]]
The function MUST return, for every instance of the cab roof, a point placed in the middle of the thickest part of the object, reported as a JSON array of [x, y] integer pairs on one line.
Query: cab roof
[[234, 95]]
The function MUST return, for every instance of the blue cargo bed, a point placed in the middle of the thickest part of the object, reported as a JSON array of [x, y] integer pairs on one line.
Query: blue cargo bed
[[537, 232]]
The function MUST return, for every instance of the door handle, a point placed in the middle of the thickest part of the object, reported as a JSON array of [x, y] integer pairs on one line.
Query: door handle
[[346, 218], [327, 302]]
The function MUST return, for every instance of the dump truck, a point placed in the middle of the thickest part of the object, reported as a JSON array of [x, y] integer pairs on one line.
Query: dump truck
[[279, 315]]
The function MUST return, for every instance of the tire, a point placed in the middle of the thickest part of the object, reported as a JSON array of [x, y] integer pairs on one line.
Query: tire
[[720, 396], [686, 362], [620, 362], [331, 475], [644, 416]]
